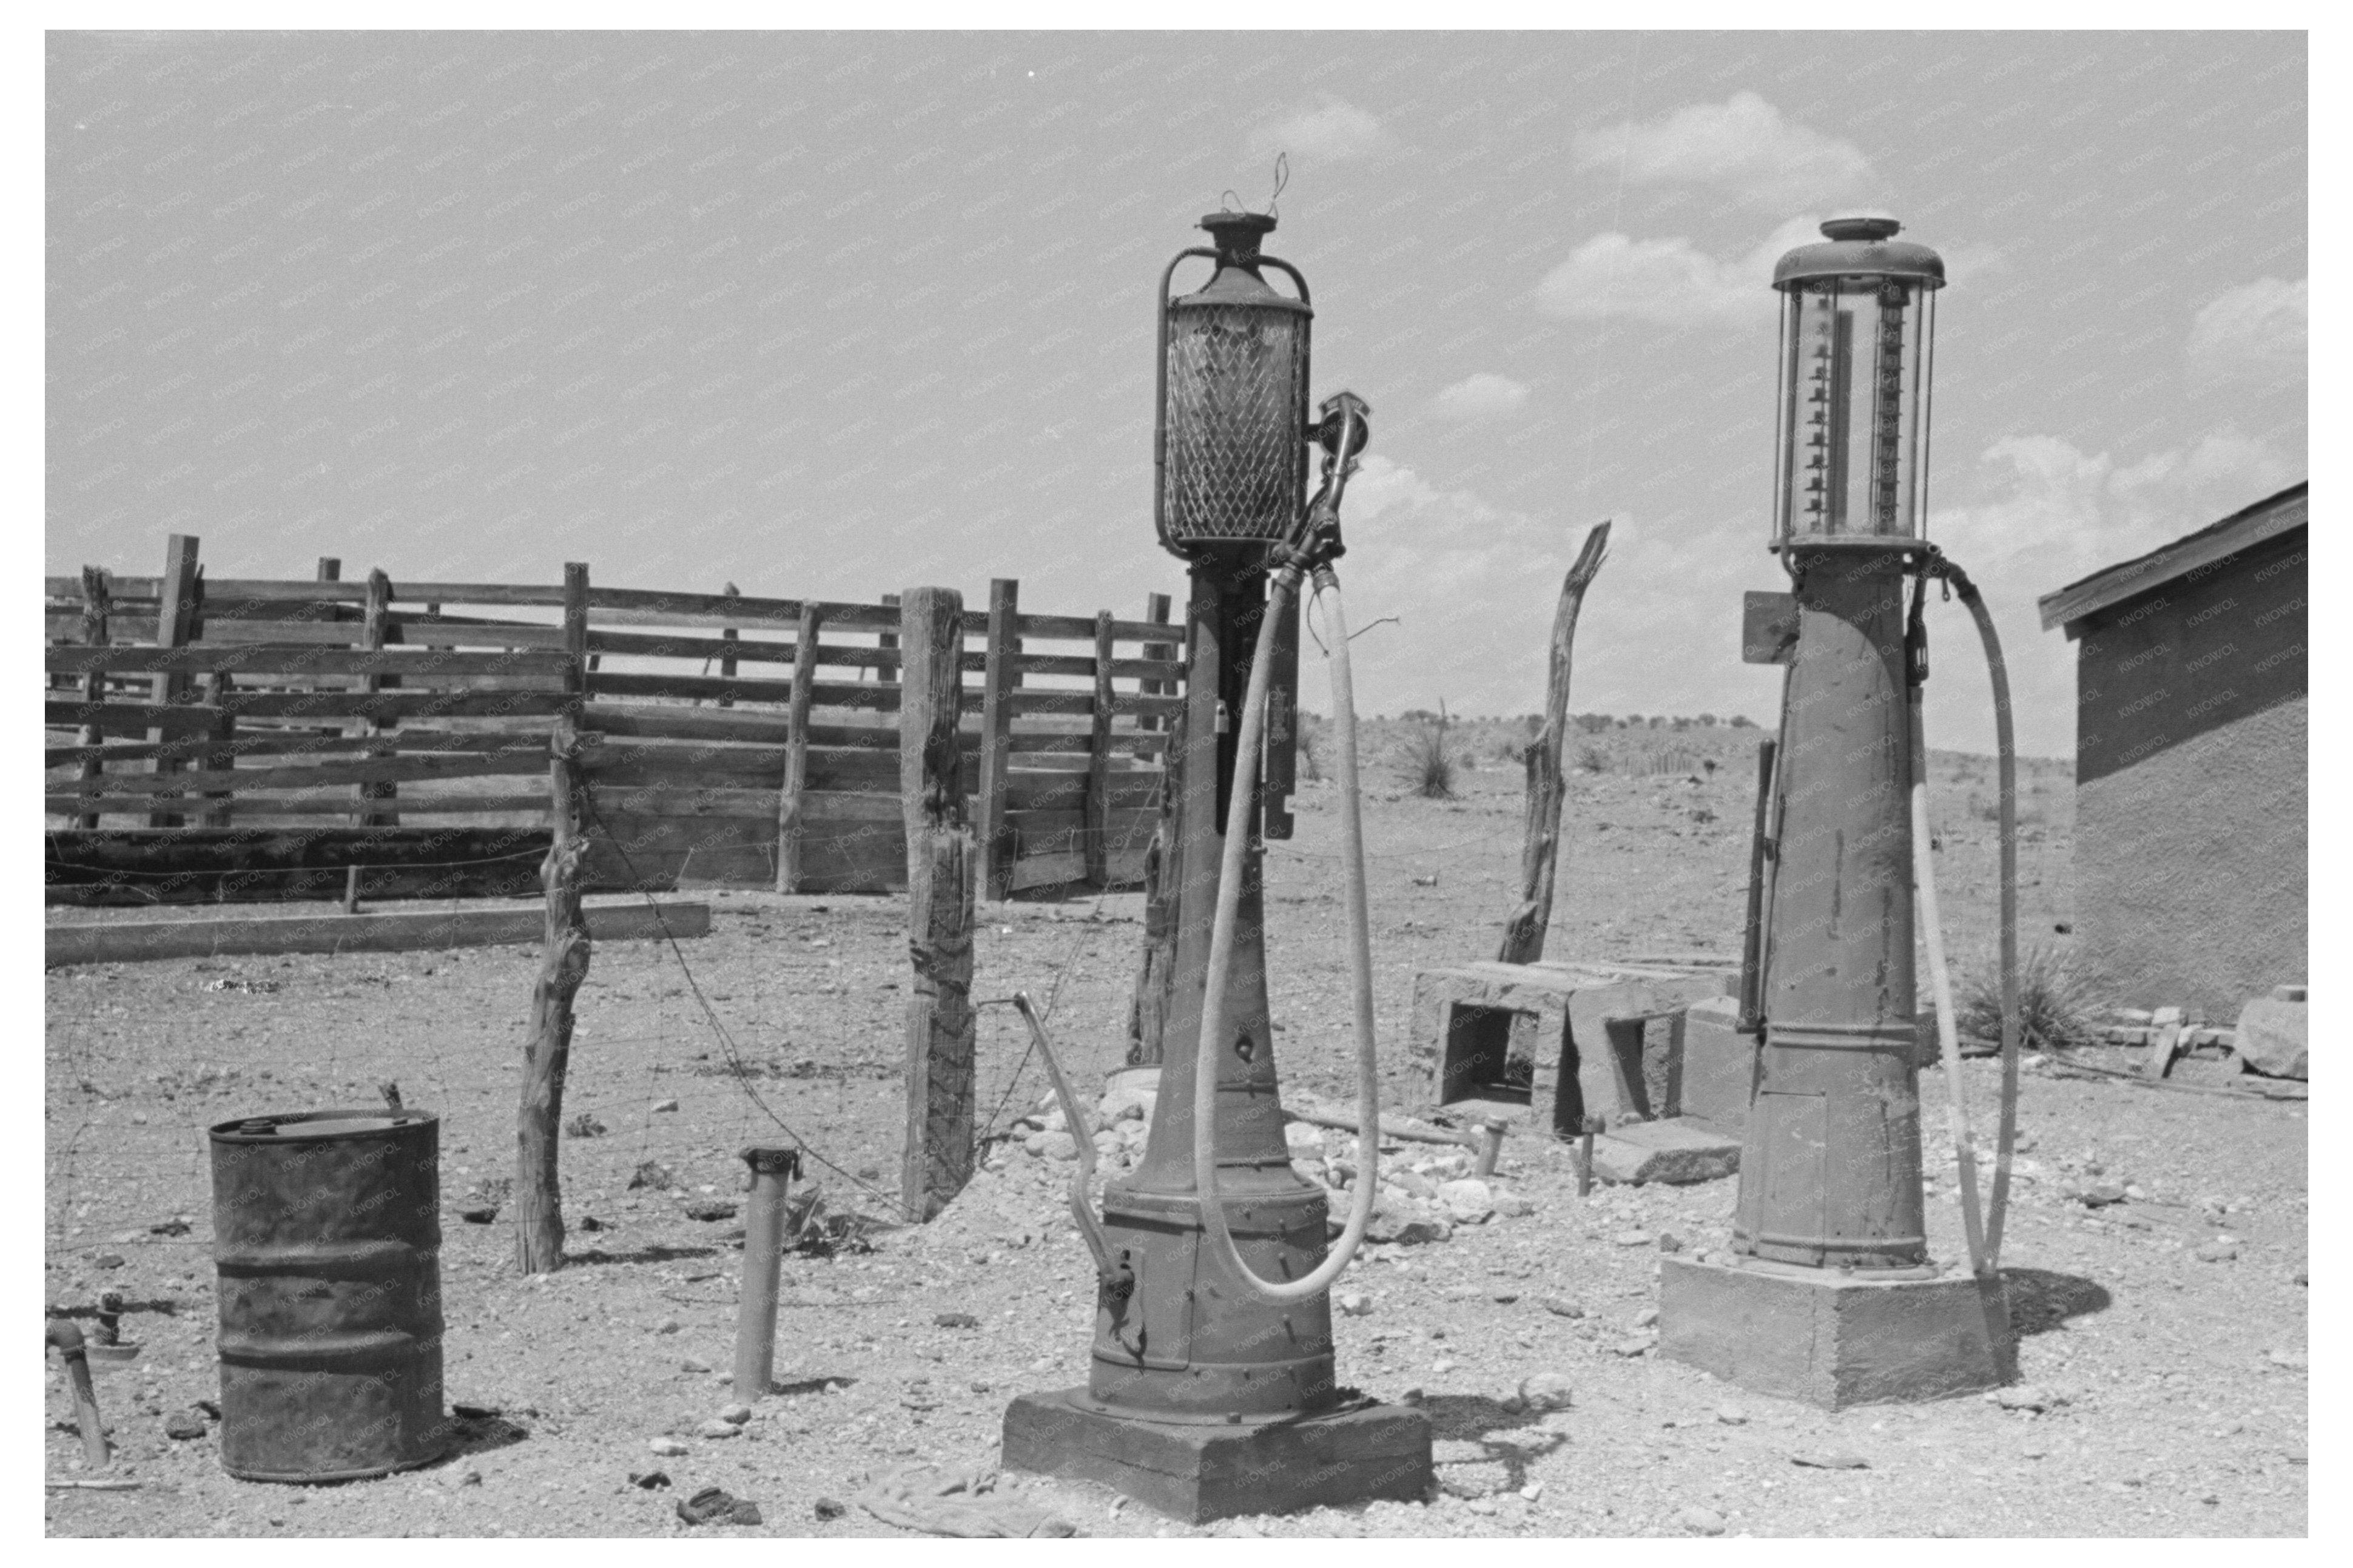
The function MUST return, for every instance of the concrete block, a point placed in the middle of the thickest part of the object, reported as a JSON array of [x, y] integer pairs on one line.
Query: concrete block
[[1832, 1339], [2272, 1037], [1675, 1152], [1198, 1472], [1719, 1065]]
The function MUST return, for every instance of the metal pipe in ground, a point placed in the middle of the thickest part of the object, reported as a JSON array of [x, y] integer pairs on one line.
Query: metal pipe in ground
[[764, 1237]]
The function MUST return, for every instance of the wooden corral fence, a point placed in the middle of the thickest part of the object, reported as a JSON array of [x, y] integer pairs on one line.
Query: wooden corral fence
[[732, 739]]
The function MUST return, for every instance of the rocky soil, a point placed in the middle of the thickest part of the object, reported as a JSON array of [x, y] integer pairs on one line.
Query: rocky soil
[[2164, 1383]]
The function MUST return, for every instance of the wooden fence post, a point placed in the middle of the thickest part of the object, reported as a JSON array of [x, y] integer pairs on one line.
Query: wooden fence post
[[1098, 819], [563, 965], [374, 625], [218, 686], [941, 863], [886, 668], [1148, 1010], [175, 618], [790, 802], [1524, 932], [999, 675], [97, 593], [728, 633]]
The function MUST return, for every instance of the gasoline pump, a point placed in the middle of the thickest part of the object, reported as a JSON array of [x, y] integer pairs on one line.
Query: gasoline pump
[[1211, 1389], [1828, 1293]]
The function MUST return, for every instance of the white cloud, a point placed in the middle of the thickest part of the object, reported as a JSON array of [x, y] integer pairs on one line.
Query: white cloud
[[2257, 330], [1743, 146], [2059, 515], [1332, 132], [1670, 282], [1485, 395]]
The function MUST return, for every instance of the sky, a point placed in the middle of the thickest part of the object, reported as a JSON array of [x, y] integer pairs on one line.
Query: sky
[[831, 316]]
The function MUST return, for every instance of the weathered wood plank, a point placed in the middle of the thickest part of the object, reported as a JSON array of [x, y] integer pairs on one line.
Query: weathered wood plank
[[249, 809], [403, 930], [322, 776], [1098, 801], [249, 660], [1524, 927]]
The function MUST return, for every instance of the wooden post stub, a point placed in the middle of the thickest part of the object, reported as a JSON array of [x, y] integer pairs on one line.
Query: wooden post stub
[[373, 623], [941, 867], [1523, 931], [563, 965]]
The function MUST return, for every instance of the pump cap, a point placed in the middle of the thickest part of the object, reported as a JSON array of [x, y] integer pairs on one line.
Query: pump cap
[[1860, 244]]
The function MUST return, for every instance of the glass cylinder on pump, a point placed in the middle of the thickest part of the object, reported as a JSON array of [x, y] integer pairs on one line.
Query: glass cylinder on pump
[[1857, 327]]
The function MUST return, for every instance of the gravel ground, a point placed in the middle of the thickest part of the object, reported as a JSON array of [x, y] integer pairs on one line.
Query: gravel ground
[[2174, 1387]]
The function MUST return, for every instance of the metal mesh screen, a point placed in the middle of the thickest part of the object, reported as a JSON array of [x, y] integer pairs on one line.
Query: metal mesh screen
[[1237, 450]]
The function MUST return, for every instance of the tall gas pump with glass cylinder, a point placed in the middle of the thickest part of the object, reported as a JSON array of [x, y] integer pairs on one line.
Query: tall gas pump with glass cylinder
[[1828, 1293], [1211, 1389]]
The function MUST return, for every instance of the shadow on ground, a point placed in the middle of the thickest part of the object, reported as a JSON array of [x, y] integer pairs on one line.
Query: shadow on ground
[[2040, 1299]]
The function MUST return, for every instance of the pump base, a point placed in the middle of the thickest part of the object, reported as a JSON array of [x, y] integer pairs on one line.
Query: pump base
[[1196, 1472], [1834, 1339]]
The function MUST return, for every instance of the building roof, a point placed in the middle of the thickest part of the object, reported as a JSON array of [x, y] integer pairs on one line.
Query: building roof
[[2105, 589]]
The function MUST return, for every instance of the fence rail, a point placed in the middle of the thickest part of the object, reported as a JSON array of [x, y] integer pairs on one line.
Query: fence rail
[[730, 739]]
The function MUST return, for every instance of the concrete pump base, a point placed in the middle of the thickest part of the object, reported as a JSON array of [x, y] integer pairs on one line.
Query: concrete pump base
[[1833, 1339], [1197, 1472]]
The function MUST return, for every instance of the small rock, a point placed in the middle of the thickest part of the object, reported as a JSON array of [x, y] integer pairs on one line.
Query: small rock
[[1546, 1391], [735, 1414], [1355, 1303], [652, 1480], [1511, 1206], [1731, 1414], [176, 1225], [1635, 1346], [669, 1325], [485, 1215], [1831, 1460], [2296, 1361], [956, 1320], [1561, 1307], [1646, 1317], [662, 1105], [2216, 1251], [2022, 1396], [1059, 1145], [114, 1259], [710, 1210], [1468, 1200], [687, 1364], [1632, 1238], [826, 1508], [1669, 1242], [668, 1447], [2100, 1195], [1701, 1520], [1503, 1298], [183, 1425], [716, 1429]]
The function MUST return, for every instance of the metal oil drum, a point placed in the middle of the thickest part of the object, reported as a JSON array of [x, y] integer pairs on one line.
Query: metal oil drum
[[328, 1240]]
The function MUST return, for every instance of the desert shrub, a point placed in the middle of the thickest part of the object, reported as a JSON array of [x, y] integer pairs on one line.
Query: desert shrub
[[2059, 1004], [1593, 759], [1427, 759], [1314, 741]]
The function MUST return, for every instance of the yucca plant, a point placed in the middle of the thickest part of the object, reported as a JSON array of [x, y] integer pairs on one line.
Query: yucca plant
[[1428, 761], [2059, 1005]]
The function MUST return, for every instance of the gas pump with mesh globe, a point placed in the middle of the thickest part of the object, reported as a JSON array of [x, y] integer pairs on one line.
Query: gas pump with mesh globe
[[1204, 1397]]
